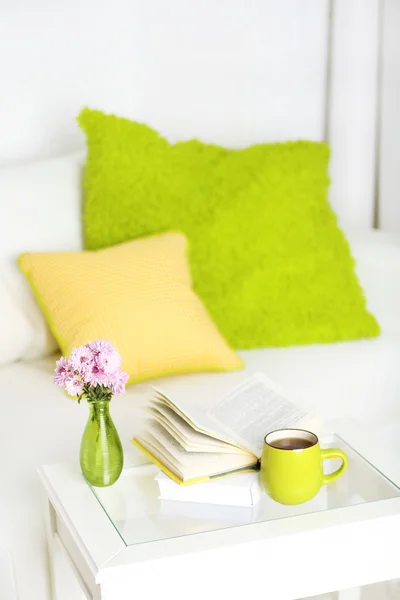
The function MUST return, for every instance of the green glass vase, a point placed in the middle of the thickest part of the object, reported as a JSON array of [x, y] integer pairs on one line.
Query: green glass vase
[[101, 454]]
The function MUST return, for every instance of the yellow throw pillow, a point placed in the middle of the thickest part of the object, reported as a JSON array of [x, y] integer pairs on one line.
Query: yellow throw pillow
[[139, 296]]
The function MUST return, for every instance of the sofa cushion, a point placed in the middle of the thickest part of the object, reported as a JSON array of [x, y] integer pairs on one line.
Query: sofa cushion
[[139, 296], [267, 256], [14, 326], [40, 207]]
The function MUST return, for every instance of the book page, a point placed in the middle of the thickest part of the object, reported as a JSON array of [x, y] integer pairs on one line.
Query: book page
[[197, 418], [189, 439], [163, 440], [192, 436], [253, 409], [185, 464], [171, 448]]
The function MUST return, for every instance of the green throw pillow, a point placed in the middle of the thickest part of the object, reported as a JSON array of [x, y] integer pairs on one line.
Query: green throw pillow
[[267, 255]]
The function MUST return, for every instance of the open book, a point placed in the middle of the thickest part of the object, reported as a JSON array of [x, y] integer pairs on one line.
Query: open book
[[190, 445]]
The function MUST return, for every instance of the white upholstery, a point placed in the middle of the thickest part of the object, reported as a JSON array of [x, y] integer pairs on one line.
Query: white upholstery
[[14, 326]]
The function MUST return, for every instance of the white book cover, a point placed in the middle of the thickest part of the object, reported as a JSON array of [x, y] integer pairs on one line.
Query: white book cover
[[242, 489]]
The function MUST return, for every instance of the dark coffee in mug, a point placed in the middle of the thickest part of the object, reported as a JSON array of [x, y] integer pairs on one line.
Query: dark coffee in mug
[[292, 443]]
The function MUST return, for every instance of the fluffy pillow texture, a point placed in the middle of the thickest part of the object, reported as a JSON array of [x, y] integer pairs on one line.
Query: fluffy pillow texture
[[266, 253], [138, 295]]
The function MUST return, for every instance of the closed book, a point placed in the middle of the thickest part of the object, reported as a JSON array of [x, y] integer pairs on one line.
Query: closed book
[[242, 489]]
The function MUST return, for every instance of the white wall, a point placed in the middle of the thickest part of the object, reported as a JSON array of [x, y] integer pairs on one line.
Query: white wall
[[231, 71], [352, 109], [389, 182]]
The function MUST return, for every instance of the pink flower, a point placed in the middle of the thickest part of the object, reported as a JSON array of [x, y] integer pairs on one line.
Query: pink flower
[[117, 382], [91, 371], [95, 375], [108, 361], [100, 346], [105, 358], [63, 372], [74, 386], [80, 359]]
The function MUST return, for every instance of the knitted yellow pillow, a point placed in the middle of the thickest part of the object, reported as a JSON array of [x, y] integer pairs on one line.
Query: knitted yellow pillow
[[139, 296]]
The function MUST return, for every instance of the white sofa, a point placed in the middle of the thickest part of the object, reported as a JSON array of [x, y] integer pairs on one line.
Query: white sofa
[[40, 210]]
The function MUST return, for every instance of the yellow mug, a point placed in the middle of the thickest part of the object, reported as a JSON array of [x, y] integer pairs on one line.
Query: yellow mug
[[291, 465]]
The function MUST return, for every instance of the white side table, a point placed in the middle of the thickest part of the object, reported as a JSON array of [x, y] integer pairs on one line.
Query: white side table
[[123, 543]]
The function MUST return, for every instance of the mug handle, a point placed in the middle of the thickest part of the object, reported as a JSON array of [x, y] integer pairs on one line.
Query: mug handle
[[334, 453]]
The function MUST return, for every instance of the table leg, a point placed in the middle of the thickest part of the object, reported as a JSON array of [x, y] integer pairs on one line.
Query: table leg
[[63, 582], [49, 524], [7, 580]]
